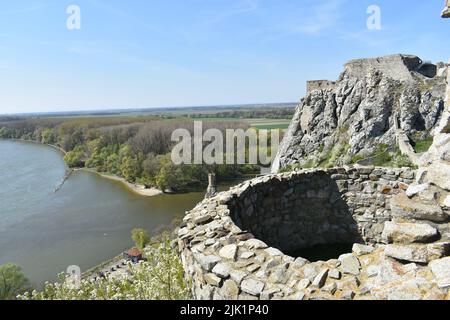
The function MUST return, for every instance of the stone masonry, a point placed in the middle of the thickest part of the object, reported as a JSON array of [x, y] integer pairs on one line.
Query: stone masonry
[[238, 244]]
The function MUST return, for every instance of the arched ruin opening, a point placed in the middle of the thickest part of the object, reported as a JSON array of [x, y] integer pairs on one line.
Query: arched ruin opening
[[307, 216]]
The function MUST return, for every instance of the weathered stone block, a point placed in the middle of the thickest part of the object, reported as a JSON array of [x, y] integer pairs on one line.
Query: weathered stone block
[[441, 270], [403, 207], [395, 232], [350, 264], [412, 253], [252, 286]]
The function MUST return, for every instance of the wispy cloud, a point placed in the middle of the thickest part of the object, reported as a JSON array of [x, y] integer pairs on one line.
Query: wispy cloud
[[306, 20], [242, 7]]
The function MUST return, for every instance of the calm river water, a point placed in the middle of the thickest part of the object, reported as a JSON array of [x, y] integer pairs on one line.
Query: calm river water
[[85, 223]]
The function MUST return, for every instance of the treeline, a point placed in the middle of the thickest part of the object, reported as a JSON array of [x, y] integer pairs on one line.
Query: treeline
[[135, 148], [275, 113]]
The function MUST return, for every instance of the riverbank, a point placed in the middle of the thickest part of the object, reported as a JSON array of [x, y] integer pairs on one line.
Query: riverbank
[[134, 187], [64, 152]]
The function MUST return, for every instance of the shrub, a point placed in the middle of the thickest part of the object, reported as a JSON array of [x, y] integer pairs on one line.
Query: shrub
[[158, 278]]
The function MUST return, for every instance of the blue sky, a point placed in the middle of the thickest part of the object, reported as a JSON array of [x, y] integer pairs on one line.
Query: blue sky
[[149, 53]]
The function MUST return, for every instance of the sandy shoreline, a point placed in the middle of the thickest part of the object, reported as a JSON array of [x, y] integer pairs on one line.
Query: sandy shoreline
[[136, 188]]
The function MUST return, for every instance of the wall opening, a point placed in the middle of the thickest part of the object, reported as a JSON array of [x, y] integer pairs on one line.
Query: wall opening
[[307, 215]]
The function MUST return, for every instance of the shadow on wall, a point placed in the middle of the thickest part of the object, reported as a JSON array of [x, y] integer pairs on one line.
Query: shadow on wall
[[304, 216]]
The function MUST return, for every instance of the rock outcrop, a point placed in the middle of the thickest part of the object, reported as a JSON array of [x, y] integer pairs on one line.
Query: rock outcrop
[[338, 122]]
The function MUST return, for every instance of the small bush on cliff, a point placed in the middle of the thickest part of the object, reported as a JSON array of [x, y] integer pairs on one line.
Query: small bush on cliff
[[140, 238]]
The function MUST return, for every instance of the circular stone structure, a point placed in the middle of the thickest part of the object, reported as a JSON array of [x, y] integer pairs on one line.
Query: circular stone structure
[[253, 241]]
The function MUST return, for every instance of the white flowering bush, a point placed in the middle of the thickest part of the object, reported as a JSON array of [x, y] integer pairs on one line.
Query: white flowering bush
[[158, 278]]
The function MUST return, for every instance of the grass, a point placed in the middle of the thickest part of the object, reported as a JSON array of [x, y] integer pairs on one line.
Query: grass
[[423, 145], [330, 158], [384, 156]]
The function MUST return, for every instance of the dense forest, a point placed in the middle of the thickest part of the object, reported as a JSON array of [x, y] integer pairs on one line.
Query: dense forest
[[135, 148], [267, 113]]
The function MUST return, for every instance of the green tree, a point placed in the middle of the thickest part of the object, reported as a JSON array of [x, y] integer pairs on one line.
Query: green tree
[[129, 163], [5, 133], [140, 238], [75, 157], [48, 136], [150, 169], [12, 281]]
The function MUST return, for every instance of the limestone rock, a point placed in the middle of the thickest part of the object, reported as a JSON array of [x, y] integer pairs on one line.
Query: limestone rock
[[212, 279], [251, 286], [255, 244], [347, 295], [203, 219], [299, 296], [231, 290], [330, 288], [300, 262], [438, 250], [412, 253], [395, 232], [207, 262], [360, 249], [404, 292], [247, 255], [441, 270], [237, 276], [403, 207], [273, 252], [334, 274], [416, 189], [439, 174], [229, 252], [447, 201], [222, 270], [320, 279], [364, 104], [310, 272], [350, 264], [303, 284]]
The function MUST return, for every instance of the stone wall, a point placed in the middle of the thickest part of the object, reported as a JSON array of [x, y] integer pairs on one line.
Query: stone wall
[[397, 66], [319, 85], [235, 245], [319, 207]]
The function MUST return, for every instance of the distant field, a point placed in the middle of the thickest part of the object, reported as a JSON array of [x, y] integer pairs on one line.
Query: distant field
[[269, 124], [261, 124]]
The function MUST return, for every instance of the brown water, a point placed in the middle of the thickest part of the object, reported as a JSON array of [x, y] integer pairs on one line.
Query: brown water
[[85, 223]]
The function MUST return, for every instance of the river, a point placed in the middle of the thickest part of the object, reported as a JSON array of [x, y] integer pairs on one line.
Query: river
[[85, 223]]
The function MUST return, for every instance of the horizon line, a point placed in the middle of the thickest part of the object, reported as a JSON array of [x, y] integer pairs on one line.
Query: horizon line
[[138, 109]]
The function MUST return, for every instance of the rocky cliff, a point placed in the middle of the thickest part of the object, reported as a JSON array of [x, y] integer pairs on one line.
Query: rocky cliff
[[373, 100]]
